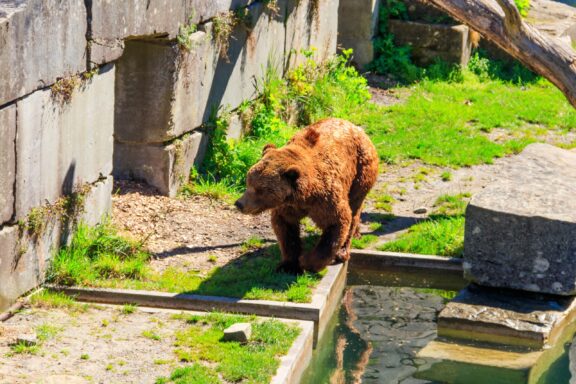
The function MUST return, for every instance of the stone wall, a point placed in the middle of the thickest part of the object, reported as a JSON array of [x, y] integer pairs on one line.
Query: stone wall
[[95, 88]]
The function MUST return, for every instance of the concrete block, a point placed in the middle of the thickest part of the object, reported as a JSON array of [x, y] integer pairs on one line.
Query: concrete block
[[163, 92], [63, 145], [433, 41], [165, 167], [357, 26], [113, 21], [98, 202], [239, 332], [310, 23], [7, 162], [40, 41], [24, 259], [521, 229]]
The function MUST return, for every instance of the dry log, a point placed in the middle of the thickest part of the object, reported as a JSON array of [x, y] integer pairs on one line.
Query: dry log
[[500, 22]]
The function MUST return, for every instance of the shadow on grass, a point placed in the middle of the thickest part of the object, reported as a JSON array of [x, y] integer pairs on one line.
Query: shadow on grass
[[253, 276], [389, 224]]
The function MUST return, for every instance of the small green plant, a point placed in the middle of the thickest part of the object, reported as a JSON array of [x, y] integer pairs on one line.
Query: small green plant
[[451, 205], [22, 348], [85, 356], [374, 227], [152, 335], [384, 202], [523, 7], [446, 176], [252, 243], [212, 258], [50, 299], [185, 32], [47, 331], [63, 88], [128, 309], [223, 26]]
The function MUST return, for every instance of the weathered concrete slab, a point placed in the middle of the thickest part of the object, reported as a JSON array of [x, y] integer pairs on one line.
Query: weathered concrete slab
[[113, 22], [293, 365], [98, 202], [357, 26], [165, 167], [63, 145], [161, 91], [506, 317], [521, 230], [7, 161], [310, 23], [430, 42], [40, 41]]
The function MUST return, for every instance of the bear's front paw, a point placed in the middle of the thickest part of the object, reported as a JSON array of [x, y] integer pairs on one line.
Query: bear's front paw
[[290, 267]]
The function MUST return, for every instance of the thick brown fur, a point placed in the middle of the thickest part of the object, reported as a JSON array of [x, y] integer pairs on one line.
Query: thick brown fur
[[324, 172]]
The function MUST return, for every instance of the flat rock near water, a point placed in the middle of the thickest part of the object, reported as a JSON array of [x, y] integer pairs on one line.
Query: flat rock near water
[[521, 229]]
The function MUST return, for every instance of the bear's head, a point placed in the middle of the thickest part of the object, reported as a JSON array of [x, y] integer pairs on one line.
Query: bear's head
[[272, 181]]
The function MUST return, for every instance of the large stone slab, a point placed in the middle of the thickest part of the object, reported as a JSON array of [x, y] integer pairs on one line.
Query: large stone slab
[[430, 42], [163, 92], [40, 41], [61, 146], [521, 230], [165, 167], [310, 24], [112, 22], [357, 26], [506, 317], [7, 162]]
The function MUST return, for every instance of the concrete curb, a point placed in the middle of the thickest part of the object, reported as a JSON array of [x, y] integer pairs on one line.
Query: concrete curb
[[295, 362], [360, 258], [325, 300]]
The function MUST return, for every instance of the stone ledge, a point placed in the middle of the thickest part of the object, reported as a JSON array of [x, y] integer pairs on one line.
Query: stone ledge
[[506, 317], [325, 300]]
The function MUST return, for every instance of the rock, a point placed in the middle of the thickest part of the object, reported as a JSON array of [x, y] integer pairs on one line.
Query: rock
[[240, 332], [421, 211], [27, 339], [357, 26], [165, 167], [63, 145], [515, 318], [521, 229], [40, 41], [419, 10], [7, 162], [430, 42]]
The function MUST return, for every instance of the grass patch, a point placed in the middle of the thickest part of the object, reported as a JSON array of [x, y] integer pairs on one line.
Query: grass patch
[[251, 277], [49, 299], [365, 241], [128, 309], [213, 360], [441, 234], [47, 331]]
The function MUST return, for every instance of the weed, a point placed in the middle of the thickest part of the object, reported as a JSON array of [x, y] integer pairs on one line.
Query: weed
[[223, 25], [128, 309], [451, 205], [252, 243], [523, 7], [185, 32], [384, 202], [446, 176], [374, 227], [152, 335], [63, 88], [161, 362], [105, 322], [212, 258], [47, 331], [23, 348], [85, 356]]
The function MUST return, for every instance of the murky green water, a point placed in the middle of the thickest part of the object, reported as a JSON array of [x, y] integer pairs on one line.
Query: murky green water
[[378, 331]]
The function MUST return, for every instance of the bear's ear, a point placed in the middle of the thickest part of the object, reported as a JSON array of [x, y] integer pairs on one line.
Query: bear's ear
[[267, 147], [292, 174]]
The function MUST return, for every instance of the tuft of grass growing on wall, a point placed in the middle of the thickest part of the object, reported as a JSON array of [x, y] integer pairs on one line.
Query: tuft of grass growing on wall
[[223, 26]]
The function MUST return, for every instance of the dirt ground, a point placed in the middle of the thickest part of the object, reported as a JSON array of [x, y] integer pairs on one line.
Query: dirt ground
[[99, 345]]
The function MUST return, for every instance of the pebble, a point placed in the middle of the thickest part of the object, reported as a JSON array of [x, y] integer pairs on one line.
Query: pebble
[[421, 210]]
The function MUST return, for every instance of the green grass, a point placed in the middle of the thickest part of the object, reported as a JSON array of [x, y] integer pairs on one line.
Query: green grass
[[47, 331], [128, 309], [51, 299], [441, 234], [251, 277], [213, 360], [364, 242]]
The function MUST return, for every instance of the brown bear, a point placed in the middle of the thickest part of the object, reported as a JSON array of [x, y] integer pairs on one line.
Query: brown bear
[[324, 172]]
